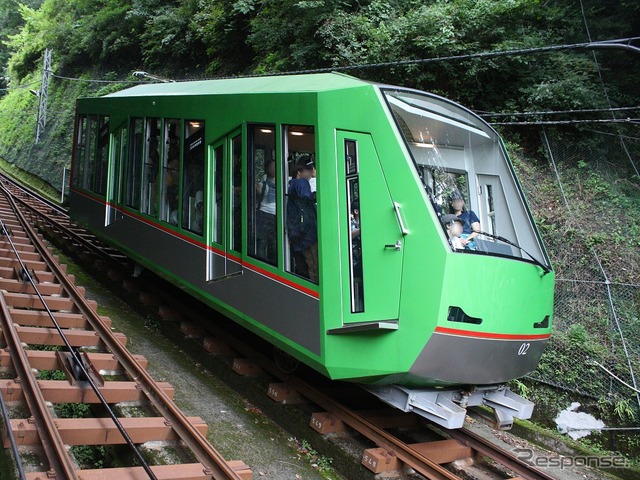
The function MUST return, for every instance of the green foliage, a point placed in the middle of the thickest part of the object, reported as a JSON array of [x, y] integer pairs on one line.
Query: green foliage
[[73, 410], [107, 39], [11, 21], [80, 32], [624, 410], [51, 375], [27, 45], [195, 37], [93, 456], [319, 462]]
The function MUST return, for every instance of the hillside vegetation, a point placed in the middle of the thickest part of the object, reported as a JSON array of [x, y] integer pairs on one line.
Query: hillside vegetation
[[579, 172]]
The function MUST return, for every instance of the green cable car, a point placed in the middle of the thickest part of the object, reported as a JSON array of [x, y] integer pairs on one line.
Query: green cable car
[[375, 233]]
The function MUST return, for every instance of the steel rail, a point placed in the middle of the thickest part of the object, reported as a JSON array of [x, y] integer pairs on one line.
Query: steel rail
[[416, 460], [403, 451], [52, 443], [503, 457], [49, 203], [71, 233], [78, 362], [12, 438], [91, 247], [202, 449]]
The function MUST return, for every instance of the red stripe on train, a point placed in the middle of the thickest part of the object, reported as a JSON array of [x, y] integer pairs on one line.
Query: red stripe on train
[[497, 336], [250, 266]]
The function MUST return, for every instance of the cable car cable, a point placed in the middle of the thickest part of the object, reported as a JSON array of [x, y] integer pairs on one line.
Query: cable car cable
[[554, 112], [569, 122], [606, 44], [12, 439], [603, 44], [77, 360]]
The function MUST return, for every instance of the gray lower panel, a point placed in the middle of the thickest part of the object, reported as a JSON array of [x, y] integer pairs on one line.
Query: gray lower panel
[[253, 294], [477, 361]]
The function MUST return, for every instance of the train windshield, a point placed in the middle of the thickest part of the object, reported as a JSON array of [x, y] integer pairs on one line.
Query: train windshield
[[466, 172]]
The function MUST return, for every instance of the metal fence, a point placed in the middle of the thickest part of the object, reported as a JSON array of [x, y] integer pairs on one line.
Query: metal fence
[[587, 205]]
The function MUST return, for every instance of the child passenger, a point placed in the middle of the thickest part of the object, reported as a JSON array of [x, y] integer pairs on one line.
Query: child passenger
[[453, 225]]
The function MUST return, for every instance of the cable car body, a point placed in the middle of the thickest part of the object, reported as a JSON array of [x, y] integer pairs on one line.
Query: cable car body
[[170, 173]]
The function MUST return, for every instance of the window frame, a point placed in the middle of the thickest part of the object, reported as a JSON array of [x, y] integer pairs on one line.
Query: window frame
[[189, 203], [253, 205]]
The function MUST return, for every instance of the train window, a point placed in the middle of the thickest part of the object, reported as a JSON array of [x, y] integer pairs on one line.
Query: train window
[[101, 164], [151, 167], [92, 153], [114, 193], [301, 248], [90, 162], [460, 151], [80, 151], [441, 183], [170, 171], [354, 216], [134, 163], [193, 199], [262, 188], [443, 187], [491, 209], [218, 162], [236, 199]]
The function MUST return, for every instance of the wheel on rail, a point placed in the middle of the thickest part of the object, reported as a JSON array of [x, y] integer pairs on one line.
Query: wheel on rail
[[285, 362]]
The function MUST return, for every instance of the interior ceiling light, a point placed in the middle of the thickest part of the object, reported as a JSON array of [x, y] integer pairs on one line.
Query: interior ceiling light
[[423, 145]]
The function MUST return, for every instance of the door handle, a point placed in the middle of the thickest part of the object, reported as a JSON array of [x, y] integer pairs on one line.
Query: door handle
[[403, 229], [397, 246]]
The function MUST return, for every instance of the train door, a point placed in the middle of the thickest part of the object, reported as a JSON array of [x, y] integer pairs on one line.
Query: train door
[[114, 190], [224, 235], [375, 234]]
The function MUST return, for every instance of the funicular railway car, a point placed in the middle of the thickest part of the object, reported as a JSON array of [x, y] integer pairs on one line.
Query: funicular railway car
[[201, 183]]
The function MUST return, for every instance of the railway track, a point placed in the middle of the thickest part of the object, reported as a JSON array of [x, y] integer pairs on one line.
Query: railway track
[[390, 452], [55, 220], [58, 351]]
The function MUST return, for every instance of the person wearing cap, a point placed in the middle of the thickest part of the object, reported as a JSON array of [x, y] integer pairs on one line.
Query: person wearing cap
[[471, 226], [312, 180], [301, 222], [453, 225]]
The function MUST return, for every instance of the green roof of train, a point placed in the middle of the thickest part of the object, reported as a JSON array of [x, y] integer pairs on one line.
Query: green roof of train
[[273, 84]]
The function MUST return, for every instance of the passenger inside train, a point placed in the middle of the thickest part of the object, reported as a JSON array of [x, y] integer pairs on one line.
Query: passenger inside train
[[471, 222], [301, 218], [453, 225]]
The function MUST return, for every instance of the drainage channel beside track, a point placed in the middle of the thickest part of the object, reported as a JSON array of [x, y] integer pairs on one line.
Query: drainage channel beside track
[[57, 351]]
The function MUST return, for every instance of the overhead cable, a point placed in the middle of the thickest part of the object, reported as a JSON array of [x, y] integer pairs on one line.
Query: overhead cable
[[555, 112], [608, 44], [93, 80], [569, 122]]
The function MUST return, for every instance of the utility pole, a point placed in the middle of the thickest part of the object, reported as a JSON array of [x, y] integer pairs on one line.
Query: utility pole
[[43, 94]]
